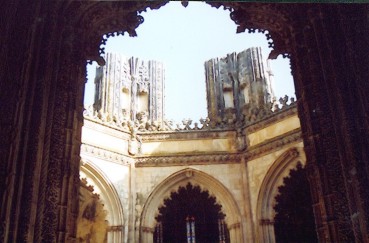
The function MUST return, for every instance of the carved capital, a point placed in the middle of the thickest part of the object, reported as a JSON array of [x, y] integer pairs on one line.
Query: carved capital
[[266, 222]]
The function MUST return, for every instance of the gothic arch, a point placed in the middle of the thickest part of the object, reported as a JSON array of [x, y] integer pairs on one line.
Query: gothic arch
[[109, 197], [43, 92], [101, 20], [269, 189], [181, 178]]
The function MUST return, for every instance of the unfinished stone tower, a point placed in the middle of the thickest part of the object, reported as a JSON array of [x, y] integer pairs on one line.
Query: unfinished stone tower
[[236, 82], [129, 89]]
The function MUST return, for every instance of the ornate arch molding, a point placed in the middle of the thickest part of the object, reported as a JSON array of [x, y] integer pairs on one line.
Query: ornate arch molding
[[108, 194], [269, 189], [273, 20], [181, 178], [96, 21]]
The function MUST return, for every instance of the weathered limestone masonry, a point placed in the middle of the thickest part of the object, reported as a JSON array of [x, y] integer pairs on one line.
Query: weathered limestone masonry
[[236, 83], [44, 48], [144, 160], [128, 89]]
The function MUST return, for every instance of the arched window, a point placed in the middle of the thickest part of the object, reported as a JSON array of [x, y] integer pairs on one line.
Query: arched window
[[191, 215]]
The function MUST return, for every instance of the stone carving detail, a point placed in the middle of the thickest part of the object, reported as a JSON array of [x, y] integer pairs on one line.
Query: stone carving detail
[[234, 81], [250, 115], [193, 159], [253, 113], [263, 148], [259, 16], [105, 154], [134, 144], [135, 85], [314, 35], [240, 140], [91, 223], [239, 93]]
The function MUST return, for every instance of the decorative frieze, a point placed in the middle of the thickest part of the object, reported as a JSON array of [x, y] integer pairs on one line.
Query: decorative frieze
[[188, 160], [107, 128], [105, 154], [254, 118], [190, 135], [273, 144], [272, 116]]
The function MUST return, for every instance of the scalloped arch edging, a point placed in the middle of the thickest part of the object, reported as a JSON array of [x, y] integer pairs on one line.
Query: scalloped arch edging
[[269, 189], [181, 178]]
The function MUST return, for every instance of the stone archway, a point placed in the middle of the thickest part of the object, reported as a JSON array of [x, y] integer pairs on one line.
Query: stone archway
[[269, 189], [42, 85], [191, 215], [294, 218], [110, 199], [204, 181]]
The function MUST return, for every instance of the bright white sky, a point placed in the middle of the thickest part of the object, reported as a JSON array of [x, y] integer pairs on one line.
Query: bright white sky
[[183, 39]]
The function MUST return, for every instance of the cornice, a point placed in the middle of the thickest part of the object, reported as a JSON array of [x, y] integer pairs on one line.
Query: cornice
[[183, 135], [106, 128], [106, 154], [272, 118], [162, 161], [273, 144], [112, 129], [229, 158]]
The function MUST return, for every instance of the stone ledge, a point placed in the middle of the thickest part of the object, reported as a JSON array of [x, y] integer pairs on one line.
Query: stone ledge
[[272, 119], [273, 144], [163, 161], [105, 154]]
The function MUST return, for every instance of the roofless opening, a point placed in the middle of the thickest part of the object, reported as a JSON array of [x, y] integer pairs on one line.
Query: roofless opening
[[183, 39]]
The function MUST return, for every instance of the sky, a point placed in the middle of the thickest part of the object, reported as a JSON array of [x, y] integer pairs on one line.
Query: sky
[[183, 39]]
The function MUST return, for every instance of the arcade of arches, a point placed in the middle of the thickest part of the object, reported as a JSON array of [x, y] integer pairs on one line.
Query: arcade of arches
[[237, 171]]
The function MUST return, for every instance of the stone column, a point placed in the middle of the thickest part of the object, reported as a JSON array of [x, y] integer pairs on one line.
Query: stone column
[[147, 235], [248, 224], [330, 66], [267, 229], [235, 233], [40, 145]]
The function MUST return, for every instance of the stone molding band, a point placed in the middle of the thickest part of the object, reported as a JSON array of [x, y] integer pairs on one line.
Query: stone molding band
[[273, 144], [106, 154]]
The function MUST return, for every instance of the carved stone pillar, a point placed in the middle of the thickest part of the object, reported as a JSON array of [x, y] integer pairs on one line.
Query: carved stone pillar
[[147, 235], [267, 229], [330, 65], [235, 233], [40, 152]]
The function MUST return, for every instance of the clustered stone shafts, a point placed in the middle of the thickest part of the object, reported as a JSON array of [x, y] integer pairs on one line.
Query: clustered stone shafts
[[239, 93], [129, 89], [250, 115], [237, 80]]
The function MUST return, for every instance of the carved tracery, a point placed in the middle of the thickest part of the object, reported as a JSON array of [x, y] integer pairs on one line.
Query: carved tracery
[[47, 151]]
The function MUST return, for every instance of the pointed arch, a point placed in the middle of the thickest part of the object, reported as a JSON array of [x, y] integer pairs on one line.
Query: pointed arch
[[269, 189], [109, 197], [196, 177]]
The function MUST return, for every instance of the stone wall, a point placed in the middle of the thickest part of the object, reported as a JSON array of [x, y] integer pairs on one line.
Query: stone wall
[[209, 158]]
